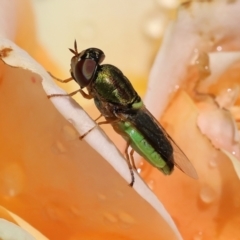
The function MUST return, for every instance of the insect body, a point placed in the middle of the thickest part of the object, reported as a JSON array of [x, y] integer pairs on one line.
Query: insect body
[[119, 103]]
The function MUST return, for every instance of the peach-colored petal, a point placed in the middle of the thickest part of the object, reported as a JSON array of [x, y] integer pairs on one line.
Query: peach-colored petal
[[201, 208], [195, 30], [235, 162], [10, 231], [8, 18], [64, 179], [220, 127], [207, 208], [202, 25], [13, 218], [220, 62], [227, 97]]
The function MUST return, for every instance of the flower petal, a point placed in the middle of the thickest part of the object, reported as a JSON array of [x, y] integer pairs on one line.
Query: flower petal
[[10, 231], [194, 29], [58, 175]]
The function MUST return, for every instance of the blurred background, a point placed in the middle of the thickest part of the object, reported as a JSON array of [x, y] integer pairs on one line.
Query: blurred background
[[129, 33]]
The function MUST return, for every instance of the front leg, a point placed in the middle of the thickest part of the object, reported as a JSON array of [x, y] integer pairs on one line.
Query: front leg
[[61, 80], [85, 95]]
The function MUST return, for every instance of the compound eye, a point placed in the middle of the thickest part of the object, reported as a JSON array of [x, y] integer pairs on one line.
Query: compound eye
[[102, 56], [84, 71]]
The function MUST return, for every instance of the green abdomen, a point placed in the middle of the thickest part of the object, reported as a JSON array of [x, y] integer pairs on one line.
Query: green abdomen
[[141, 145]]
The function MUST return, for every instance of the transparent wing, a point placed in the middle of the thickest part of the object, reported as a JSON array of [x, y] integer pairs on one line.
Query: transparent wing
[[180, 159], [160, 139]]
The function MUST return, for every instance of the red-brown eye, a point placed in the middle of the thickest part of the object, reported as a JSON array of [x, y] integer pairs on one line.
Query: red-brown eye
[[84, 71], [84, 65]]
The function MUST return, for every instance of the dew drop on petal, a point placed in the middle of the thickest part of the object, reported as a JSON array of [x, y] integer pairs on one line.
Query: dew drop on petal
[[12, 180], [196, 50], [141, 164], [213, 163], [168, 3], [54, 211], [207, 194], [198, 236], [151, 184], [140, 167], [101, 197], [119, 194], [126, 218], [71, 121], [69, 133], [228, 97], [110, 218], [58, 148], [219, 48], [176, 88], [154, 25]]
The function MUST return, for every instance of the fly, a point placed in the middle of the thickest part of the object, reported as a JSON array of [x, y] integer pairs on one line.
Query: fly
[[122, 107]]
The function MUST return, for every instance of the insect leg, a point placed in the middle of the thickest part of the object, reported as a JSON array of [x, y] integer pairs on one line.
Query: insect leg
[[98, 117], [61, 80], [85, 95], [62, 95], [129, 165], [99, 123], [132, 159]]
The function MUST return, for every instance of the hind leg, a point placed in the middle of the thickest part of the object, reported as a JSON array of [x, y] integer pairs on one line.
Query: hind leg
[[132, 159], [98, 124], [129, 165]]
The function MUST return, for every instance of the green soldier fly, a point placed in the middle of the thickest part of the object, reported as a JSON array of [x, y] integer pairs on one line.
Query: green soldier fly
[[119, 103]]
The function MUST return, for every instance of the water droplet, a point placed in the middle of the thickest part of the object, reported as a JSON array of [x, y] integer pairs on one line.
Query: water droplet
[[58, 147], [71, 121], [141, 163], [69, 133], [168, 3], [198, 236], [110, 217], [53, 211], [126, 218], [101, 197], [196, 50], [227, 97], [207, 194], [219, 48], [151, 184], [154, 25], [12, 180], [140, 166], [213, 163], [176, 87], [119, 194]]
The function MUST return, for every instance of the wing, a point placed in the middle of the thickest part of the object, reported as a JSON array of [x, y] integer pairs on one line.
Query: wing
[[147, 124], [180, 159]]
